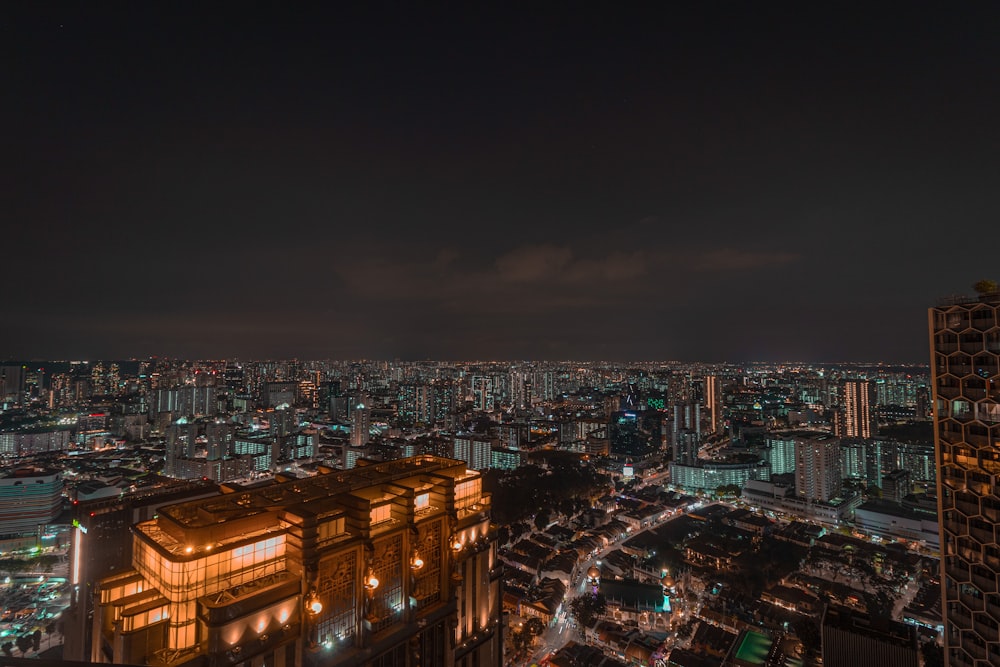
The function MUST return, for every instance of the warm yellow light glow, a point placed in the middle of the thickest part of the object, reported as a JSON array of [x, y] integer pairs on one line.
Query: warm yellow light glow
[[456, 545], [417, 563], [189, 550], [316, 606], [372, 582]]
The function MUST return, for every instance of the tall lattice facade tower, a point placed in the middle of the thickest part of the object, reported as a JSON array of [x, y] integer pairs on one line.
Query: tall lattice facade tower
[[965, 364]]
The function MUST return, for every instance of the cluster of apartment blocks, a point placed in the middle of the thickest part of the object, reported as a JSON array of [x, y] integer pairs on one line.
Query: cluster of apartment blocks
[[391, 563]]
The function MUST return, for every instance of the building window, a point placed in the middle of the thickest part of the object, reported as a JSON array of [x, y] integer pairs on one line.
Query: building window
[[331, 529], [422, 502], [381, 513], [387, 606], [467, 493], [337, 593]]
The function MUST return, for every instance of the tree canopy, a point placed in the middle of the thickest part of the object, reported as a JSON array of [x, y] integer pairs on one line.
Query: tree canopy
[[588, 608], [986, 286], [566, 484]]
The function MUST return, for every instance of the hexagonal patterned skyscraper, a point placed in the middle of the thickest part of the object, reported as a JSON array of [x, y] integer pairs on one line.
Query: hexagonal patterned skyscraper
[[965, 364]]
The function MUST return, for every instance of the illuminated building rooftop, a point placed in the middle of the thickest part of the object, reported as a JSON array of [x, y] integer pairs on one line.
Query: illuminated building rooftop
[[331, 567]]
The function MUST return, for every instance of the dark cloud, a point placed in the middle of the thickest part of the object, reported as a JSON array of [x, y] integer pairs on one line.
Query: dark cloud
[[734, 259], [765, 182]]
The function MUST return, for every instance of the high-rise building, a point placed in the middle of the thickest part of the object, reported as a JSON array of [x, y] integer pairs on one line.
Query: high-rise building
[[360, 424], [965, 344], [424, 407], [187, 400], [854, 459], [329, 393], [896, 485], [857, 411], [626, 438], [389, 565], [482, 393], [817, 467], [98, 549], [29, 499], [406, 404], [779, 451], [713, 403], [475, 450], [686, 433], [12, 384]]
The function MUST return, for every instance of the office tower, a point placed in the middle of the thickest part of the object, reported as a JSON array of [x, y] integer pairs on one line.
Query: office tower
[[817, 466], [232, 377], [390, 564], [857, 410], [329, 393], [965, 373], [625, 437], [630, 399], [360, 424], [280, 393]]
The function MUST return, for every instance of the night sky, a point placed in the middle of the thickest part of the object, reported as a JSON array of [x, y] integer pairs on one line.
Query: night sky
[[720, 181]]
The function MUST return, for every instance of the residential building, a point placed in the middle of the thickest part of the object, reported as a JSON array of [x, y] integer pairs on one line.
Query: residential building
[[857, 414], [965, 372], [817, 466]]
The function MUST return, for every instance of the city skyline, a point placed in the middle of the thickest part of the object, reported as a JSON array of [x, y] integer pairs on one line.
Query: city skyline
[[684, 184], [378, 513]]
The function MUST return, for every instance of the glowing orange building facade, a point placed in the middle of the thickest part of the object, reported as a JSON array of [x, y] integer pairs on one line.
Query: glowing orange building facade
[[390, 563], [965, 368]]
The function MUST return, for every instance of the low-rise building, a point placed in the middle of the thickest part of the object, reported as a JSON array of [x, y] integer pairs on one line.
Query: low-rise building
[[782, 499], [888, 519]]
